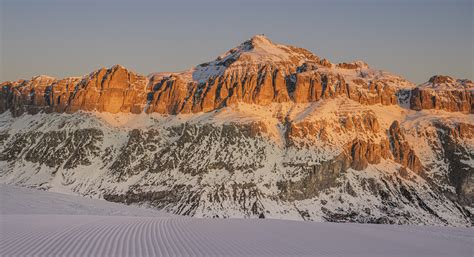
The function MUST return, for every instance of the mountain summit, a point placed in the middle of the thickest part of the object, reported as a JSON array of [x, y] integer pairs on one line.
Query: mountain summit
[[260, 50], [252, 55], [265, 130]]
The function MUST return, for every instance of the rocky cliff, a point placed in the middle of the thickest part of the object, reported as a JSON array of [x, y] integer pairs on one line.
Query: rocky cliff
[[256, 72], [264, 130], [444, 93]]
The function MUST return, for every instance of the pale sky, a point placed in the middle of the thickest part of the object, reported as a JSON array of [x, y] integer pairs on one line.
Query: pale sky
[[412, 38]]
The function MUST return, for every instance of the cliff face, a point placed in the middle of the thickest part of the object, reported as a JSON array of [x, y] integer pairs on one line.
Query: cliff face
[[110, 90], [256, 72], [401, 149], [106, 90], [444, 93], [271, 131], [117, 90]]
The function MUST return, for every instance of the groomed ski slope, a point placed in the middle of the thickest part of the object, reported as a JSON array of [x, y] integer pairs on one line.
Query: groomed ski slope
[[37, 223]]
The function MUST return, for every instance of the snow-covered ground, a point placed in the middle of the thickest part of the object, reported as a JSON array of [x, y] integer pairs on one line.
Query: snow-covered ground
[[37, 223]]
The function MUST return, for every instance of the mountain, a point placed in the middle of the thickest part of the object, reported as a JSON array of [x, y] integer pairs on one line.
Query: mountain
[[264, 130]]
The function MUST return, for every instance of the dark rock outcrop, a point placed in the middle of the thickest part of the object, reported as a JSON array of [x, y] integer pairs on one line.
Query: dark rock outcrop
[[401, 149], [54, 149], [365, 153], [458, 158]]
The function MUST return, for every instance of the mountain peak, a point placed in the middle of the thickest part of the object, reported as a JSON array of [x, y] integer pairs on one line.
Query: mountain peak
[[118, 67], [260, 49], [438, 79], [251, 55], [447, 83], [260, 40], [42, 77]]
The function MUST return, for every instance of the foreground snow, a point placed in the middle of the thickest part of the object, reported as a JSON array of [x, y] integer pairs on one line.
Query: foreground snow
[[36, 223]]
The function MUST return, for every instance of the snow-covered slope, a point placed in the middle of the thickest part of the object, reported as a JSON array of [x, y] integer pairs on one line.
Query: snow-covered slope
[[137, 232], [24, 201], [334, 160]]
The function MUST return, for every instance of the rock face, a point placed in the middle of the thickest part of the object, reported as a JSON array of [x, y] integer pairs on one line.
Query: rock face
[[444, 93], [106, 90], [56, 148], [25, 95], [110, 90], [458, 155], [273, 132], [364, 153], [258, 72], [401, 149]]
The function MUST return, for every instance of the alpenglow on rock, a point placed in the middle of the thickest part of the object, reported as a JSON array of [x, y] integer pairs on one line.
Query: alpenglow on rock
[[264, 130], [256, 72]]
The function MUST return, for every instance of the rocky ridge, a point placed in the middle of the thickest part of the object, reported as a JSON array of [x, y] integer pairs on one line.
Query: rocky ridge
[[256, 72]]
